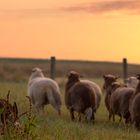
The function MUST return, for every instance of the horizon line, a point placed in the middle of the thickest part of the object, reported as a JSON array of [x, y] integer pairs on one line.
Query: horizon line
[[60, 59]]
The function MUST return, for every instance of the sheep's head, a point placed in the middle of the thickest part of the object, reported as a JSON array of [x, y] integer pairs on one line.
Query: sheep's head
[[36, 72], [108, 80], [73, 76]]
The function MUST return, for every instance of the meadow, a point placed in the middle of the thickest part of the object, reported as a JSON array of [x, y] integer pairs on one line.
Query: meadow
[[14, 77]]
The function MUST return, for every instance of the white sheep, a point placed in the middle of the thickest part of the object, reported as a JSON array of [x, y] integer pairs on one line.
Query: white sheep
[[43, 91]]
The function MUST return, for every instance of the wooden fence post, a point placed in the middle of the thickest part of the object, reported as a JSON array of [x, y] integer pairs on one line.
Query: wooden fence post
[[125, 69], [53, 67]]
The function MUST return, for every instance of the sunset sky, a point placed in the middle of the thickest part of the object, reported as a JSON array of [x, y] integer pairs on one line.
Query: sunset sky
[[105, 30]]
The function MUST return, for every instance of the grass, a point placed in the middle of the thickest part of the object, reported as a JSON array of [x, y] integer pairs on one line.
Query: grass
[[54, 127]]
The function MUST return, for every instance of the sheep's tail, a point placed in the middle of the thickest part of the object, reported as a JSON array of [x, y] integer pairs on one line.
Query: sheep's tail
[[54, 99]]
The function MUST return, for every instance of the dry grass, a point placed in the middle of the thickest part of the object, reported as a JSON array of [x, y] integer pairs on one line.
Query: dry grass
[[20, 69]]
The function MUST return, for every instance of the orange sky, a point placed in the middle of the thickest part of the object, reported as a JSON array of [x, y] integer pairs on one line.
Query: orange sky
[[71, 29]]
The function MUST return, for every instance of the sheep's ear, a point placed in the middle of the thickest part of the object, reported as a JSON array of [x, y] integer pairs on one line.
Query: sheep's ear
[[15, 110], [33, 70]]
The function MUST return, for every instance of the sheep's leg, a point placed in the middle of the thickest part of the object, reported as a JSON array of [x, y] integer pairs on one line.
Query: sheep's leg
[[137, 125], [127, 118], [110, 116], [93, 116], [72, 114]]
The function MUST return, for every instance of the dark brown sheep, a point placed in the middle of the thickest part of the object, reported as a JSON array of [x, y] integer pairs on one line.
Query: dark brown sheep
[[79, 97], [108, 80], [135, 106]]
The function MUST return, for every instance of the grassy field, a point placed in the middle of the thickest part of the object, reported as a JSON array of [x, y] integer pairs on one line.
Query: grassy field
[[54, 127], [14, 74]]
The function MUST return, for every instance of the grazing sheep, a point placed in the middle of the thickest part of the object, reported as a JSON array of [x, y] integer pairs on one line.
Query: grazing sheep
[[43, 90], [135, 106], [80, 97], [119, 101], [108, 80], [132, 82]]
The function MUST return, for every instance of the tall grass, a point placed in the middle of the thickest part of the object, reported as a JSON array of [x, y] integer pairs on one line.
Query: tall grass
[[55, 127]]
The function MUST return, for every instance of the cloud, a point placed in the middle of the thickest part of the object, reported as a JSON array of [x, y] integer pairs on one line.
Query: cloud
[[129, 6], [28, 13], [101, 7]]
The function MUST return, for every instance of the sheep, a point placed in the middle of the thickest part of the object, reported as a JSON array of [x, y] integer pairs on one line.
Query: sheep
[[132, 82], [80, 97], [97, 89], [119, 101], [108, 80], [43, 91], [135, 106]]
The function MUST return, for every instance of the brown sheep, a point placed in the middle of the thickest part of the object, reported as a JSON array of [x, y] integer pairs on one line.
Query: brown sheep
[[79, 97], [108, 80], [119, 101], [135, 106]]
